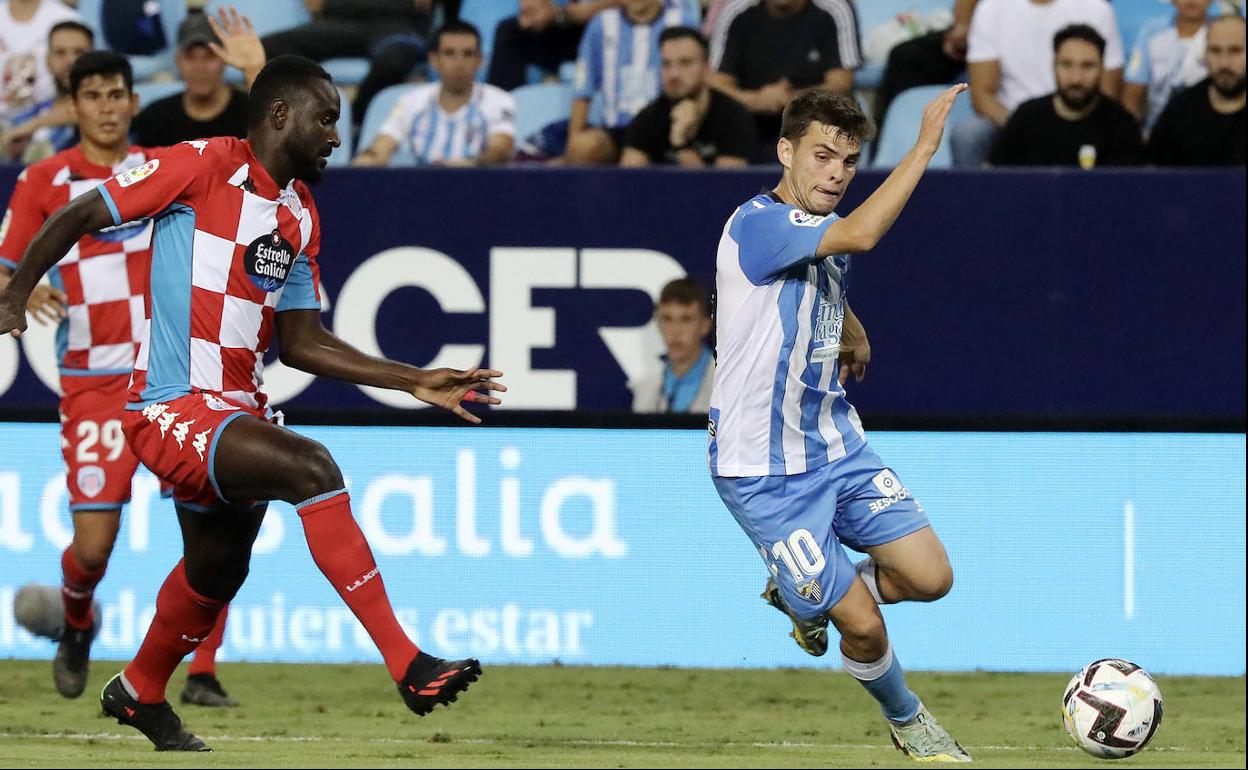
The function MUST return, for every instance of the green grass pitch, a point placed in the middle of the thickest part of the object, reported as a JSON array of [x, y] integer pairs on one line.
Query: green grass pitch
[[553, 716]]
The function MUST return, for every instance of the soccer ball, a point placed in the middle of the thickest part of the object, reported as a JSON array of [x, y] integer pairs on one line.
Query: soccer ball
[[1112, 708]]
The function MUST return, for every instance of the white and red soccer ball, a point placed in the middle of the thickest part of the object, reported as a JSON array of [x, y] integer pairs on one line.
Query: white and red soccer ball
[[1112, 708]]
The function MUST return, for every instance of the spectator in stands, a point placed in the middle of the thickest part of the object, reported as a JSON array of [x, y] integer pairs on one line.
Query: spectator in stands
[[208, 106], [689, 124], [392, 34], [618, 62], [1168, 55], [1077, 125], [720, 15], [455, 121], [545, 34], [932, 59], [1204, 125], [683, 382], [1010, 60], [25, 81], [774, 50], [50, 128]]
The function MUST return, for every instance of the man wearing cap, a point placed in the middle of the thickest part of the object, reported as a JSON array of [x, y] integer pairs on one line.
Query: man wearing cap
[[209, 106]]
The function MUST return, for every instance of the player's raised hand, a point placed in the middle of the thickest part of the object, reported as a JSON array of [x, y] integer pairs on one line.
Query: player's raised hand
[[12, 313], [46, 304], [935, 115], [240, 45], [451, 388]]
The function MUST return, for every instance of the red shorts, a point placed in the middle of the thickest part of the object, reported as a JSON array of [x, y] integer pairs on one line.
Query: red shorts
[[99, 465], [177, 441]]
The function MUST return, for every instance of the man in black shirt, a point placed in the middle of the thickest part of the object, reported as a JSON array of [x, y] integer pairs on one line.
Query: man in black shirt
[[774, 51], [1205, 125], [208, 106], [1077, 125], [689, 124]]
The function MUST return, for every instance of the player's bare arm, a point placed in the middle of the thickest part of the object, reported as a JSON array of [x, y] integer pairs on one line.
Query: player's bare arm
[[306, 344], [862, 230], [85, 214], [46, 303]]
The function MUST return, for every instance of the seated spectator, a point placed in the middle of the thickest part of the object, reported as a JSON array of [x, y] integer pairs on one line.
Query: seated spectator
[[618, 62], [208, 106], [25, 81], [545, 34], [392, 34], [682, 383], [455, 121], [1077, 125], [1204, 125], [1169, 55], [934, 58], [777, 49], [1010, 60], [50, 128], [690, 124], [720, 14]]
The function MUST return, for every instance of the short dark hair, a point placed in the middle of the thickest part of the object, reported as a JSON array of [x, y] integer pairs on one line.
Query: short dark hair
[[686, 291], [455, 27], [103, 63], [840, 112], [1082, 32], [282, 75], [75, 26], [686, 33]]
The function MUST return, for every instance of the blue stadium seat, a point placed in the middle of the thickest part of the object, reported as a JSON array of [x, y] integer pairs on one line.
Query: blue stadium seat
[[152, 92], [901, 126], [872, 14], [145, 67], [347, 71], [485, 16], [342, 155], [378, 110], [538, 106]]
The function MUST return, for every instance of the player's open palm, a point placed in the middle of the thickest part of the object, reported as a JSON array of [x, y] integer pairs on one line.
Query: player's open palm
[[935, 115], [450, 388]]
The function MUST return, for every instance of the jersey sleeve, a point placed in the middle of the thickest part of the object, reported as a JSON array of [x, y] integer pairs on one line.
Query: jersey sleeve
[[303, 285], [500, 115], [148, 189], [399, 125], [589, 61], [772, 239], [22, 219]]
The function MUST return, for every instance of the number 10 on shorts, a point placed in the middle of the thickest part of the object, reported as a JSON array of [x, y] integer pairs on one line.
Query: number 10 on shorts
[[801, 556]]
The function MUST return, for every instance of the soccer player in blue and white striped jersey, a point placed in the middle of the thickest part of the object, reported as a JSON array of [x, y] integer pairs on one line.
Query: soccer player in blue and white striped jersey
[[787, 452]]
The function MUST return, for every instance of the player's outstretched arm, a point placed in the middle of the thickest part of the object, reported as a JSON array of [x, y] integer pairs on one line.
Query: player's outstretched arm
[[305, 344], [85, 214], [863, 229]]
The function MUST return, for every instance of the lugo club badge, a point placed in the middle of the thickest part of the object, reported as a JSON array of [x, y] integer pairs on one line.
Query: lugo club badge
[[268, 261]]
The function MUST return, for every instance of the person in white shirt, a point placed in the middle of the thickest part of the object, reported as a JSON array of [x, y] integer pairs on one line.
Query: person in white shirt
[[1010, 60], [25, 80], [453, 122], [1168, 55]]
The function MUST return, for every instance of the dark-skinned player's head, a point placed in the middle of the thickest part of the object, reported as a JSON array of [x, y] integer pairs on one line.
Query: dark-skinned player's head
[[294, 105]]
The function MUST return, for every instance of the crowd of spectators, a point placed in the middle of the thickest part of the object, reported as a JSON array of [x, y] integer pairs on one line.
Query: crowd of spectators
[[678, 82]]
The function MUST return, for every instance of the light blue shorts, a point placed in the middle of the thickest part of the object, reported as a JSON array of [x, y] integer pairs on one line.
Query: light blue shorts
[[799, 523]]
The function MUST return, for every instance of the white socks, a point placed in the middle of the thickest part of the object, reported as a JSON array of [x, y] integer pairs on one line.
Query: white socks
[[866, 571]]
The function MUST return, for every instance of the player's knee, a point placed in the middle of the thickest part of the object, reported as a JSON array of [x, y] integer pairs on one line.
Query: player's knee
[[318, 472], [864, 632], [93, 557], [933, 584]]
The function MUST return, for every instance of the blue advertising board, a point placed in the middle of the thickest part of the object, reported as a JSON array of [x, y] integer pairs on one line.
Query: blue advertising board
[[610, 547], [1060, 293]]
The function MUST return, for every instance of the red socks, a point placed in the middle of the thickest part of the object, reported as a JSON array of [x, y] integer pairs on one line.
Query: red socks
[[183, 619], [340, 551], [205, 660], [77, 589]]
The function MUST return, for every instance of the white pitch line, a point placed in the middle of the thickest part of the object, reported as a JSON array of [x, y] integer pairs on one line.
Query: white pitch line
[[538, 742]]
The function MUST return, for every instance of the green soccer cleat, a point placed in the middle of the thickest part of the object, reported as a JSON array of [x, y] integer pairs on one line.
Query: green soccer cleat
[[811, 635], [924, 740]]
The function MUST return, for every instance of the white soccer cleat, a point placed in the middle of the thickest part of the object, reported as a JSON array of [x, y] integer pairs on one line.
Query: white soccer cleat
[[924, 740]]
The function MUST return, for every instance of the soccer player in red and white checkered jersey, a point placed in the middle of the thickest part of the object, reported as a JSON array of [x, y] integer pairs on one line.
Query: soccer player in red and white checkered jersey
[[235, 251], [97, 295]]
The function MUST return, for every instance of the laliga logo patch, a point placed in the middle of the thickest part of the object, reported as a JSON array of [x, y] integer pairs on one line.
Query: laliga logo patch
[[887, 483], [802, 219], [91, 480], [138, 173], [268, 261]]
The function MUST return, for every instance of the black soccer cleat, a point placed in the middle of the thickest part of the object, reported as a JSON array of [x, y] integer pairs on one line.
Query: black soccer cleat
[[430, 681], [72, 661], [205, 690], [155, 720]]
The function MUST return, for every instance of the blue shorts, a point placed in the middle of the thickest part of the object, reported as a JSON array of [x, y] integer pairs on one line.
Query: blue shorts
[[800, 522]]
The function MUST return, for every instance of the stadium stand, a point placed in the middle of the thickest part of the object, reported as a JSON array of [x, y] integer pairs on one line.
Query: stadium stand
[[378, 110], [537, 106], [901, 126]]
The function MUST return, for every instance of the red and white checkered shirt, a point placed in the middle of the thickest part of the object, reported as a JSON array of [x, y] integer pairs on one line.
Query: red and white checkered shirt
[[229, 250], [104, 275]]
